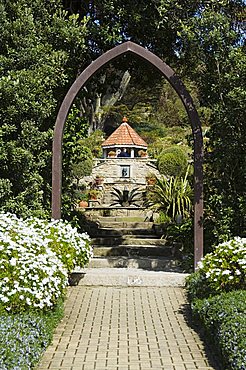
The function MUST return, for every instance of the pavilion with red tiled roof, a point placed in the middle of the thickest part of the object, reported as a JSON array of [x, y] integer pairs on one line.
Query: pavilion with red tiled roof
[[124, 142]]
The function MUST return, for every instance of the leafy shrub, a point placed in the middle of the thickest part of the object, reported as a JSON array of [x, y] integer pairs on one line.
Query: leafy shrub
[[93, 142], [35, 257], [24, 337], [183, 233], [82, 169], [171, 196], [172, 162], [224, 320], [222, 270]]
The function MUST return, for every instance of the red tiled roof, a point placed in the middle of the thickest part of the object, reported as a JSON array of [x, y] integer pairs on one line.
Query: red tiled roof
[[124, 135]]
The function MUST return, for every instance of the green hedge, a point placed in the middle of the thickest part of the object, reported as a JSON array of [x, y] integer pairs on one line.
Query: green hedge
[[172, 162], [224, 319]]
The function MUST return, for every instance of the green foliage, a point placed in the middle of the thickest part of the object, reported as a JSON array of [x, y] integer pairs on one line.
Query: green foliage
[[93, 142], [214, 43], [170, 109], [163, 218], [39, 49], [224, 320], [169, 137], [82, 169], [183, 233], [172, 162], [74, 152], [171, 196], [42, 49], [77, 159], [25, 336], [222, 270], [219, 220]]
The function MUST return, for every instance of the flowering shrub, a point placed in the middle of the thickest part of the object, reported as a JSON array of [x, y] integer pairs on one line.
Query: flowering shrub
[[222, 270], [222, 273], [72, 248], [35, 257], [24, 337]]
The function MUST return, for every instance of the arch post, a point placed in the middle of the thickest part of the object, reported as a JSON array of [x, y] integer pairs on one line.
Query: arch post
[[176, 83]]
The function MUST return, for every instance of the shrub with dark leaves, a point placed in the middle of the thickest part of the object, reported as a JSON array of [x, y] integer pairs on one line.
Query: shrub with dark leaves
[[224, 319]]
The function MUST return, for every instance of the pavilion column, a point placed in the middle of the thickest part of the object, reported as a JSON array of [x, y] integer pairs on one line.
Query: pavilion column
[[132, 152]]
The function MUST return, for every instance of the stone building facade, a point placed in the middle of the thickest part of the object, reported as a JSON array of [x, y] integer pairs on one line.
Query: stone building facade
[[123, 174], [125, 166]]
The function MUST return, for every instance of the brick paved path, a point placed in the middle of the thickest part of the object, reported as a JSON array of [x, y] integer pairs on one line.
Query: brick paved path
[[125, 328]]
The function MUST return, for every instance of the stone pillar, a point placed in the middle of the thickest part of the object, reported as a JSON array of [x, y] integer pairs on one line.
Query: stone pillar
[[132, 152]]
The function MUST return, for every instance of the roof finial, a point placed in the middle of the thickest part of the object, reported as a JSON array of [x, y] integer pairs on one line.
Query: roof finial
[[124, 119]]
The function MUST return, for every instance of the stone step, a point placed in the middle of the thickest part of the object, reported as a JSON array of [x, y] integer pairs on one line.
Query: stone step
[[127, 239], [134, 251], [107, 231], [145, 263], [125, 224], [126, 277], [120, 219]]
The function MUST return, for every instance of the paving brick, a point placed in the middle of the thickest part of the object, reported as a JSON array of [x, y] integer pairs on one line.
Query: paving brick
[[127, 328]]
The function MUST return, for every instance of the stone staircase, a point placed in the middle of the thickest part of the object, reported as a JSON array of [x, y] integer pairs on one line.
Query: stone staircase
[[129, 242]]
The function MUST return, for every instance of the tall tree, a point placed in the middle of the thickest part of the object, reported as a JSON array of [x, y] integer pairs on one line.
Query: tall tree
[[40, 48], [152, 24], [214, 41]]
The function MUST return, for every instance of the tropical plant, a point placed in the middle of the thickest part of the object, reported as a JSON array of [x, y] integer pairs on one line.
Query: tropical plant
[[125, 197], [171, 196]]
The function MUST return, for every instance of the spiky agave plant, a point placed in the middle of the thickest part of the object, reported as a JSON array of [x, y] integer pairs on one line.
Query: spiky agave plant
[[126, 197]]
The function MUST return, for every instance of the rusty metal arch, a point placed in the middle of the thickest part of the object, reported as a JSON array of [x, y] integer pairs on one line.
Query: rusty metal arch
[[176, 83]]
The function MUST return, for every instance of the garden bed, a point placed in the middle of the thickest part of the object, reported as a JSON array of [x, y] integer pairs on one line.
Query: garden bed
[[36, 259], [25, 336]]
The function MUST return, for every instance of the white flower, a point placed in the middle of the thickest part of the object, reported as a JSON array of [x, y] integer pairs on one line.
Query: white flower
[[4, 299], [226, 272], [13, 261]]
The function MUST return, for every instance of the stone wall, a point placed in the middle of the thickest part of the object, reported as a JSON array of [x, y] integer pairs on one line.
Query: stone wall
[[111, 170], [123, 173]]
